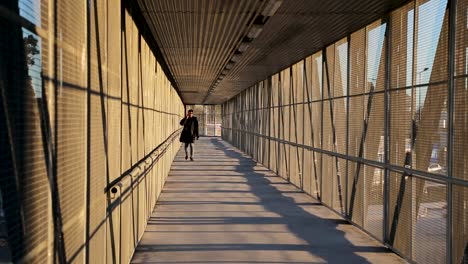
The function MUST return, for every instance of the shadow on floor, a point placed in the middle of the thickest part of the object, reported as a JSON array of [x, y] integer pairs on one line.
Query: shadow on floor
[[321, 236], [299, 221]]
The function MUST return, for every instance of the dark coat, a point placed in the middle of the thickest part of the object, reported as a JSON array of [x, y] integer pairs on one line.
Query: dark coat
[[190, 130]]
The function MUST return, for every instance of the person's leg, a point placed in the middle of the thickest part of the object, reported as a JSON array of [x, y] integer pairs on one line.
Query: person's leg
[[191, 151], [186, 153]]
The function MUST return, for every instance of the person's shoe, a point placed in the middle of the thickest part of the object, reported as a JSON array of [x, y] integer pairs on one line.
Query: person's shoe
[[191, 159], [186, 157]]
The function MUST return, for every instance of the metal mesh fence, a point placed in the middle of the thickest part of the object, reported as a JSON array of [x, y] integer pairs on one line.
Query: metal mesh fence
[[85, 110], [374, 126], [209, 119]]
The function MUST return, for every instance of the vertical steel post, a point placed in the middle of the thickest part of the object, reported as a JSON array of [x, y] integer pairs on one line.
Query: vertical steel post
[[348, 81], [304, 72], [452, 4], [388, 45], [324, 50], [413, 117]]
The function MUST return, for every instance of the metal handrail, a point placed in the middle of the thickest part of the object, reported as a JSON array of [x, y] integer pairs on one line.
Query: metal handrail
[[141, 166]]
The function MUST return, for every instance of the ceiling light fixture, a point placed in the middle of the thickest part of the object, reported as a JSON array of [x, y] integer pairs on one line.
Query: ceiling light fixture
[[229, 65], [243, 46], [235, 57], [271, 7], [254, 31]]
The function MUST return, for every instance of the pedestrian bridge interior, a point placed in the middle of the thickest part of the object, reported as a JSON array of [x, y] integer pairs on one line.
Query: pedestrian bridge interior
[[331, 131]]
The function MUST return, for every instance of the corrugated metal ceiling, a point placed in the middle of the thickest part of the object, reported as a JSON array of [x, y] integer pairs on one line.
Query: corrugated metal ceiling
[[198, 38]]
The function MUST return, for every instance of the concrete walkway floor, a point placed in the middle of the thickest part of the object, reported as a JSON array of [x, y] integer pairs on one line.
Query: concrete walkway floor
[[225, 208]]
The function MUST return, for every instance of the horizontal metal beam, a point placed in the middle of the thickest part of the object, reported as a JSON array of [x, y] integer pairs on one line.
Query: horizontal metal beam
[[395, 168]]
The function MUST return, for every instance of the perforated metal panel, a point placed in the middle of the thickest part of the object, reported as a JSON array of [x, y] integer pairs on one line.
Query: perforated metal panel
[[94, 107], [374, 200], [430, 227], [460, 221], [373, 137], [381, 129], [356, 192], [400, 217]]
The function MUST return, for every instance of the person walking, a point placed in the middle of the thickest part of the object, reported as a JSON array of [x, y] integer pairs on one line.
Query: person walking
[[189, 132]]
